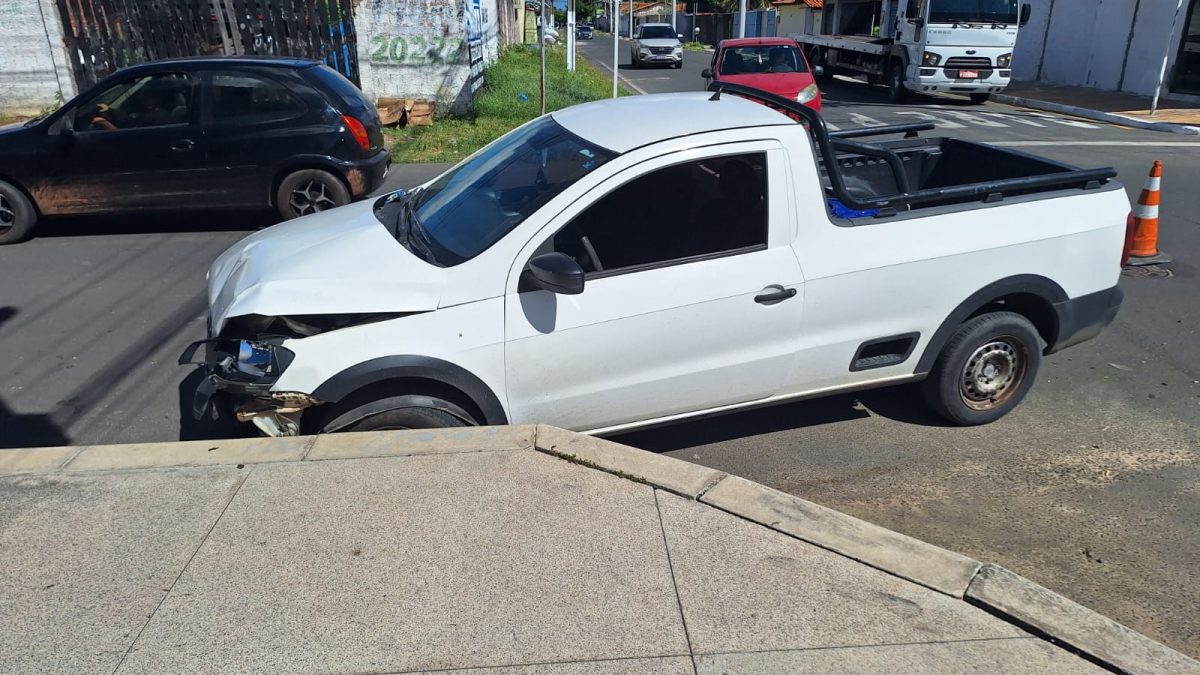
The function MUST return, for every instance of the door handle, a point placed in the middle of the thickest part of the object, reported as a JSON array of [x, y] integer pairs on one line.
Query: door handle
[[774, 294], [184, 145]]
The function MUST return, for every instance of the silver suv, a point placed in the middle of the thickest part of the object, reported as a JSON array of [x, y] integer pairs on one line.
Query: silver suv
[[656, 43]]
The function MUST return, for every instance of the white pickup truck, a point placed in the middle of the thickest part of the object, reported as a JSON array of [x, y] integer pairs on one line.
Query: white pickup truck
[[707, 254]]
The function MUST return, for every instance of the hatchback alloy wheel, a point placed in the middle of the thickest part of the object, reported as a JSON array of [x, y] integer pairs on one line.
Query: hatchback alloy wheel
[[311, 198], [8, 216]]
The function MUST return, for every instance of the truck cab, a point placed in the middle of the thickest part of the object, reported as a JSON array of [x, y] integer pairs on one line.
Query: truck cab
[[957, 46]]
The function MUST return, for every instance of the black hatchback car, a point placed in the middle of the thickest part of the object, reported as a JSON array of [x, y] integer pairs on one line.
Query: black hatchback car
[[194, 134]]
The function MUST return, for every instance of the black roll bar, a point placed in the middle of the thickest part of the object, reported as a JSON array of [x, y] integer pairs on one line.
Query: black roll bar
[[828, 142]]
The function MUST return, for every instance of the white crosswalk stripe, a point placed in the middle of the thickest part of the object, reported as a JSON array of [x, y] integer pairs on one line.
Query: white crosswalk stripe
[[926, 117], [1014, 119], [864, 121]]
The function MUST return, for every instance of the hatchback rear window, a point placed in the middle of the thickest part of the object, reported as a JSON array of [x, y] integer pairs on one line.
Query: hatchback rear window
[[332, 82]]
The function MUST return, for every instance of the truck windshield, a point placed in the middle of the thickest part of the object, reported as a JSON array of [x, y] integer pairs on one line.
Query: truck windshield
[[476, 203], [973, 11]]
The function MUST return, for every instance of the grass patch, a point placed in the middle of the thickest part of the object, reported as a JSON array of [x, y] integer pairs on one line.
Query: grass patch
[[499, 107], [696, 47]]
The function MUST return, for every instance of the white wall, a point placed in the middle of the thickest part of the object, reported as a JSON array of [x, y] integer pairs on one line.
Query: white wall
[[1088, 43], [34, 69], [419, 48]]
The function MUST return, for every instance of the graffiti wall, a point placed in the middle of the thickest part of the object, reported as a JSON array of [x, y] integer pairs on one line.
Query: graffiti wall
[[433, 49]]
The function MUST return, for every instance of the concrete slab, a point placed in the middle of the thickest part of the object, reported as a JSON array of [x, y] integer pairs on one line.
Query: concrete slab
[[673, 665], [87, 558], [191, 453], [888, 550], [1074, 624], [34, 460], [744, 587], [1010, 655], [426, 562], [421, 442], [668, 473]]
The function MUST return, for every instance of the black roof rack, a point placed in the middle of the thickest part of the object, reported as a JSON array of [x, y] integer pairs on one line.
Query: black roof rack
[[828, 143]]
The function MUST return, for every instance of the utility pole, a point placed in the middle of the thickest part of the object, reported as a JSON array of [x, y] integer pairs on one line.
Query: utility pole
[[630, 19], [571, 35], [742, 20], [674, 26], [616, 38]]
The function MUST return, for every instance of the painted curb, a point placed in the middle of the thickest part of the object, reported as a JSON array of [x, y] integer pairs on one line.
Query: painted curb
[[1097, 115], [1038, 608]]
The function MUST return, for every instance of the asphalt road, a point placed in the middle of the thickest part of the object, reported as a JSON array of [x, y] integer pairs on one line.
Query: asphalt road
[[1091, 487]]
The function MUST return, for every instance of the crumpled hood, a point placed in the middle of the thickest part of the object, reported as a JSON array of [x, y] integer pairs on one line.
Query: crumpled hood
[[341, 261]]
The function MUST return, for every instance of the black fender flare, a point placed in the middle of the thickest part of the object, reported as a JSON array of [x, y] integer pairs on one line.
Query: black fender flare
[[1032, 284], [414, 367]]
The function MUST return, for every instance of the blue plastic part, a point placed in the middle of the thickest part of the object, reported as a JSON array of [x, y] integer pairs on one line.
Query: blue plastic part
[[840, 210]]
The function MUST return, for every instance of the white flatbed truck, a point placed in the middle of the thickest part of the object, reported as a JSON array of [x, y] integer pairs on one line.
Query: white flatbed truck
[[957, 46]]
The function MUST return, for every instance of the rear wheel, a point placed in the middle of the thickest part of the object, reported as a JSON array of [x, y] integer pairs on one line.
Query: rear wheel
[[980, 98], [17, 215], [985, 370], [896, 89], [309, 191]]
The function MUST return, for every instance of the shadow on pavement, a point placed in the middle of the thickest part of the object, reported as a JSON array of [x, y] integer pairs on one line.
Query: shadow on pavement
[[164, 222], [24, 431], [901, 404], [860, 93]]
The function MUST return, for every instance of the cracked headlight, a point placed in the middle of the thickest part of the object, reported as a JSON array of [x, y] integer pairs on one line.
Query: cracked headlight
[[1004, 60], [808, 93]]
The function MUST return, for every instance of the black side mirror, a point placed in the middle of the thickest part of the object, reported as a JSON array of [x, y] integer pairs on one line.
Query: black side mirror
[[1026, 12], [679, 36], [555, 272], [706, 73]]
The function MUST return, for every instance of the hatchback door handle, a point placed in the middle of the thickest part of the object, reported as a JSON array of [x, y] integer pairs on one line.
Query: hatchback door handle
[[774, 294], [184, 145]]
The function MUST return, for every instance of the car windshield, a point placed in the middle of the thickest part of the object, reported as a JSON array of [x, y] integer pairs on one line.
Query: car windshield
[[762, 59], [657, 33], [973, 11], [475, 204]]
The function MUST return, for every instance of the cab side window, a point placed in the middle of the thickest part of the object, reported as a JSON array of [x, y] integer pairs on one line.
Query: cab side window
[[712, 206], [157, 100]]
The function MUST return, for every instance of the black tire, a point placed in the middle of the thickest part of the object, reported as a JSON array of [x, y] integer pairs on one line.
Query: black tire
[[897, 92], [980, 98], [396, 412], [985, 370], [309, 191], [678, 65], [633, 61], [17, 214]]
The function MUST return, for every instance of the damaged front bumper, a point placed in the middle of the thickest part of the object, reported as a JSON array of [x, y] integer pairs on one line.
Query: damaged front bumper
[[238, 379]]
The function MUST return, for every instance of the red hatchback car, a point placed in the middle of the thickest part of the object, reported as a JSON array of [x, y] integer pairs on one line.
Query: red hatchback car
[[773, 64]]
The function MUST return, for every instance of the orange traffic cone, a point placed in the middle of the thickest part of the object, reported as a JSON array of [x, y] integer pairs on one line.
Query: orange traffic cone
[[1145, 222]]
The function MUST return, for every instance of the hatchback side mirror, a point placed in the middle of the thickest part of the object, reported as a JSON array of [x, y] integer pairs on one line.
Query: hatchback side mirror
[[706, 73], [818, 71], [555, 272], [1026, 12]]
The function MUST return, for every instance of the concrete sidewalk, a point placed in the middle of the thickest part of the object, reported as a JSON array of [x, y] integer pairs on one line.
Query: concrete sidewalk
[[496, 548], [1173, 115]]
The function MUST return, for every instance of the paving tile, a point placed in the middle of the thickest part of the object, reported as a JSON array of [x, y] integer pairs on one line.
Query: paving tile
[[672, 665], [1014, 655], [421, 563], [744, 587], [85, 559], [420, 442]]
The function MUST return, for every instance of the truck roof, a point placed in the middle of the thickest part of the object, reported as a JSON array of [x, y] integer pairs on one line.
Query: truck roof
[[623, 124]]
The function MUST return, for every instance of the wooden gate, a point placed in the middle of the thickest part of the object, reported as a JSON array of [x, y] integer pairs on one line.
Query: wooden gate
[[104, 35]]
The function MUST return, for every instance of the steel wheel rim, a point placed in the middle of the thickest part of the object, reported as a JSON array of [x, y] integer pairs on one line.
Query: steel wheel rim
[[311, 198], [8, 217], [993, 373]]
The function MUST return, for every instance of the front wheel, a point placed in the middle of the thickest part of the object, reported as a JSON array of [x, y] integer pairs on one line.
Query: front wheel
[[985, 369], [17, 214], [395, 412], [309, 191], [896, 89], [980, 98]]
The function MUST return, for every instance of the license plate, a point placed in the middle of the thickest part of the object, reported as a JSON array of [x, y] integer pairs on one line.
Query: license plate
[[968, 74]]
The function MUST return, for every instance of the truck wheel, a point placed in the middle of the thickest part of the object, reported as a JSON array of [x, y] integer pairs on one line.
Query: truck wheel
[[985, 369], [896, 89], [980, 98], [308, 191], [17, 215], [396, 412]]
